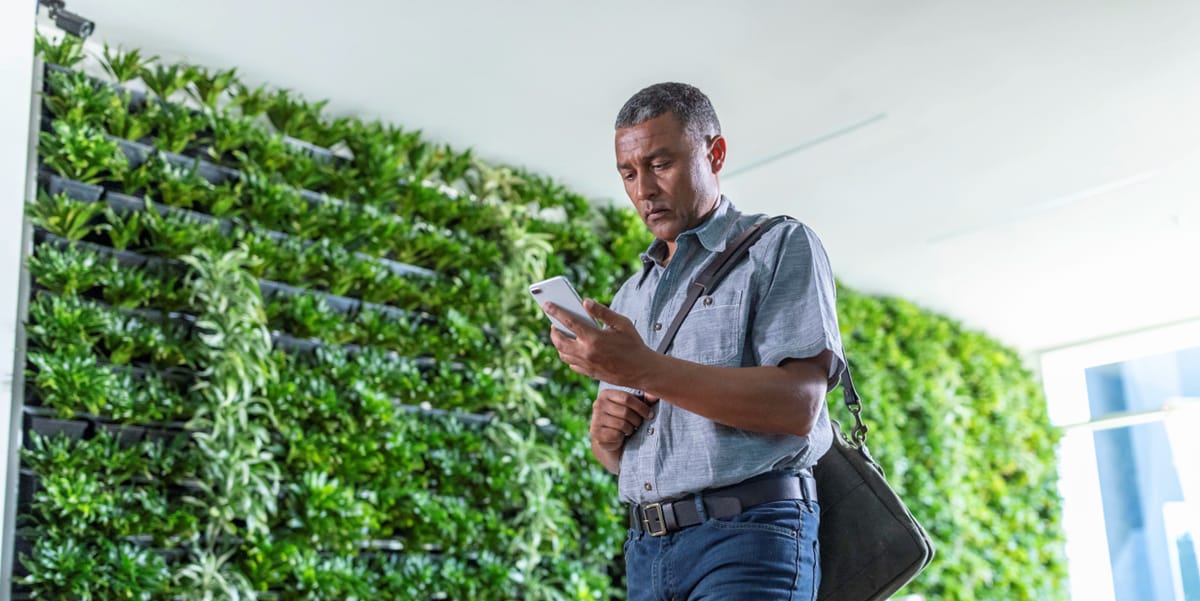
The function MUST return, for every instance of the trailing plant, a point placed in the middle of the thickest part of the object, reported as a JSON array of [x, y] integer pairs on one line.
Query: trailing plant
[[242, 481]]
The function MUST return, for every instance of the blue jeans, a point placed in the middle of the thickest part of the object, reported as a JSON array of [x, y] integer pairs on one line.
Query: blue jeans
[[768, 552]]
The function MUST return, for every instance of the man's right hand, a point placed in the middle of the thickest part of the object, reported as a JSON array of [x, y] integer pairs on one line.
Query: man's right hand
[[616, 414]]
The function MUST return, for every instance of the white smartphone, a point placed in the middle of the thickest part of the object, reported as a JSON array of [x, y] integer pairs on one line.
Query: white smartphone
[[558, 290]]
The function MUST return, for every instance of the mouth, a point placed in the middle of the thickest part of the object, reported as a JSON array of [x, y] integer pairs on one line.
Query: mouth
[[656, 214]]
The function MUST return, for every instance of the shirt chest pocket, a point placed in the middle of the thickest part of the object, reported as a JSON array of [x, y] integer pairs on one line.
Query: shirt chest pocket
[[714, 331]]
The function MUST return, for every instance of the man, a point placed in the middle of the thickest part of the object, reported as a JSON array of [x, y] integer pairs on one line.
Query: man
[[716, 473]]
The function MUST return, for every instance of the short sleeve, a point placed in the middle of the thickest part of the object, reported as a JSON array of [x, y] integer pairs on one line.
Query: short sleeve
[[795, 316]]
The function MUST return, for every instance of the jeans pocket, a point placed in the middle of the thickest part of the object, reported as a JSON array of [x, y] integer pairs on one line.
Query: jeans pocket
[[778, 517]]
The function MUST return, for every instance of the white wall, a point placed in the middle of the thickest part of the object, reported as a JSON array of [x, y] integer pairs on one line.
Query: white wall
[[16, 79]]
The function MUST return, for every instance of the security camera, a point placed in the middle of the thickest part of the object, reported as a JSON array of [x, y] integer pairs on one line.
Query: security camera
[[73, 23], [67, 20]]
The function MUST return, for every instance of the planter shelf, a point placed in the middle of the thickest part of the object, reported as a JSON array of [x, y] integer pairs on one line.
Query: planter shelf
[[138, 99], [56, 184], [137, 153], [215, 174], [126, 258], [53, 426], [319, 153], [149, 429]]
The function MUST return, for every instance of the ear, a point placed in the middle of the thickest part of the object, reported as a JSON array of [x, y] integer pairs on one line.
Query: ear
[[716, 153]]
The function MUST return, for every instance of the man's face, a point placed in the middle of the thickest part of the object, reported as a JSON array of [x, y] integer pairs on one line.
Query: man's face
[[669, 174]]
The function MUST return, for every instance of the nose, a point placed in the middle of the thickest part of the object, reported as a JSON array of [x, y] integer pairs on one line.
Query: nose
[[647, 186]]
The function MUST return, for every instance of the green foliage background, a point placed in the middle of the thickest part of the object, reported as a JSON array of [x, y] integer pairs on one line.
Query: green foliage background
[[427, 443], [960, 428]]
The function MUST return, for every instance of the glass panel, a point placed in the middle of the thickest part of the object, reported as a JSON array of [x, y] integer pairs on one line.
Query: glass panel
[[1151, 526], [1137, 478]]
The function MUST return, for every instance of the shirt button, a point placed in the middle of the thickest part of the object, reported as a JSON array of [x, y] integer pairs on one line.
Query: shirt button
[[650, 431], [648, 487], [707, 300], [657, 326]]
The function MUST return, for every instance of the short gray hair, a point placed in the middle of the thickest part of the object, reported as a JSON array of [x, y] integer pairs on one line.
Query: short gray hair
[[693, 109]]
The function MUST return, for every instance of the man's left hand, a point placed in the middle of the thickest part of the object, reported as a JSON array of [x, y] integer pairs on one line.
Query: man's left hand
[[614, 354]]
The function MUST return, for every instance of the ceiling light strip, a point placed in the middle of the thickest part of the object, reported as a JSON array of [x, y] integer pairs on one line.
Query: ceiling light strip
[[837, 133]]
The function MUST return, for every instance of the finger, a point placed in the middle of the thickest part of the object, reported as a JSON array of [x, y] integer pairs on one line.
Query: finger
[[620, 396], [629, 408], [610, 439], [567, 319], [627, 422], [602, 313], [602, 422], [560, 340]]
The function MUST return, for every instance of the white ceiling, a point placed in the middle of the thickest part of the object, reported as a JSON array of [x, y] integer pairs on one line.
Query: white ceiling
[[1030, 168]]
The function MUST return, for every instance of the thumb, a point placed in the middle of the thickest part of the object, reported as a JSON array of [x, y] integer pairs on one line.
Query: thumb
[[649, 398]]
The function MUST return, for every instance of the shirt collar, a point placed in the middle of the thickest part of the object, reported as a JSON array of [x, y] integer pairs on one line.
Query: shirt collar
[[711, 234]]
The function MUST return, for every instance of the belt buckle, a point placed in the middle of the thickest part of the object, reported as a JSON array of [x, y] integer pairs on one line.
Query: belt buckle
[[653, 520]]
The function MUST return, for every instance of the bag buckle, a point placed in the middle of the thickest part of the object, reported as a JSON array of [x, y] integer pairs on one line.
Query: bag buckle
[[653, 520]]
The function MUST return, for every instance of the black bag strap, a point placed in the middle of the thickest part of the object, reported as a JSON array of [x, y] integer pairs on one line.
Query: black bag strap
[[717, 269], [853, 402]]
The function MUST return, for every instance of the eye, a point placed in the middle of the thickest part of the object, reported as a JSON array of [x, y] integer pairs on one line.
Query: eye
[[659, 166], [627, 176]]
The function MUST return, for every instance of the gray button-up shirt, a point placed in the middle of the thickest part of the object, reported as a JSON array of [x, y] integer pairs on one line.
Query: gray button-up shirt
[[779, 303]]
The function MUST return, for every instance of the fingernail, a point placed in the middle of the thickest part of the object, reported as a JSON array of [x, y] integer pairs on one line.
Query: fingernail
[[588, 303]]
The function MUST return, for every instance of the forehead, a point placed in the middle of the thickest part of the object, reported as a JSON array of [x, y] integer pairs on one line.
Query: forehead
[[663, 133]]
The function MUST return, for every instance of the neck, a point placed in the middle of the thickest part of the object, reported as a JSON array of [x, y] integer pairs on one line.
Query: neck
[[707, 215]]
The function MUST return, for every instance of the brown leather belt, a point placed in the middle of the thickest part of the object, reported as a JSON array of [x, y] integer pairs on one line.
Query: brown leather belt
[[657, 519]]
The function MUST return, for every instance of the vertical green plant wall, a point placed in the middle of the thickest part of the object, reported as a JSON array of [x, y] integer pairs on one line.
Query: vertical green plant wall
[[275, 354], [961, 430]]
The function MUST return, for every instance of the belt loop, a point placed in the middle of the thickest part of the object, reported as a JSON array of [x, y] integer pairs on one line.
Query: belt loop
[[700, 509], [806, 479]]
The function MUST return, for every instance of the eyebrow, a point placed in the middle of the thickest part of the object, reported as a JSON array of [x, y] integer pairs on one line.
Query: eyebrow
[[657, 153]]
